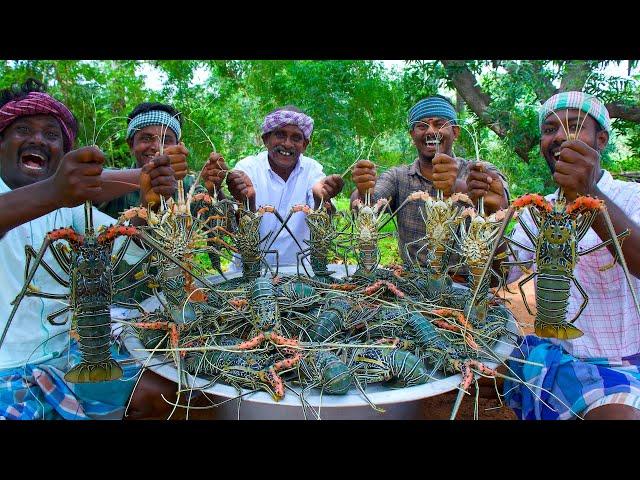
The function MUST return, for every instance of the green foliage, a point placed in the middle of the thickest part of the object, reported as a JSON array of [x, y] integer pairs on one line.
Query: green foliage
[[359, 107]]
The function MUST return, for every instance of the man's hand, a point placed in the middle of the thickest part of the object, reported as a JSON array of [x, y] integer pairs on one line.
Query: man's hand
[[241, 187], [327, 188], [483, 182], [178, 157], [445, 172], [77, 178], [214, 172], [157, 178], [577, 170], [364, 176]]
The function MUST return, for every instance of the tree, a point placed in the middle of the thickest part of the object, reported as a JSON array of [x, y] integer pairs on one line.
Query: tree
[[504, 94]]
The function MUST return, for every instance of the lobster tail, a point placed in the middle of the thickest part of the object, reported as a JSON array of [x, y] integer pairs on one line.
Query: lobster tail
[[86, 372], [562, 331]]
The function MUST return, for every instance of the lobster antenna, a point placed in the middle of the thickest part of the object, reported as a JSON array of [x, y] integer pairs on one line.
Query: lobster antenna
[[88, 217]]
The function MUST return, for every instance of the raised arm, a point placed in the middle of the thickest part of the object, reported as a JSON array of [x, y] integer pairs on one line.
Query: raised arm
[[78, 178]]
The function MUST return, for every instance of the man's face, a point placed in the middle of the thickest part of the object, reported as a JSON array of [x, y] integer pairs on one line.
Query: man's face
[[428, 131], [285, 145], [145, 143], [569, 124], [30, 150]]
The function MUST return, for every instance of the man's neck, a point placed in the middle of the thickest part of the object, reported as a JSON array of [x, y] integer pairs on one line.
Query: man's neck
[[426, 167]]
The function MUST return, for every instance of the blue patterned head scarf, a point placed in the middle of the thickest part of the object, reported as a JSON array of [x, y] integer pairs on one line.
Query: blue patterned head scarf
[[432, 107], [154, 117], [579, 100]]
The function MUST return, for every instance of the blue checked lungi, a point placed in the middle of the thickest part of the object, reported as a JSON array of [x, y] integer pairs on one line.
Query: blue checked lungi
[[39, 392], [570, 384]]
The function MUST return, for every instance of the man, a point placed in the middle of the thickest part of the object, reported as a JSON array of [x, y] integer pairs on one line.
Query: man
[[595, 376], [150, 125], [433, 127], [282, 177], [43, 186]]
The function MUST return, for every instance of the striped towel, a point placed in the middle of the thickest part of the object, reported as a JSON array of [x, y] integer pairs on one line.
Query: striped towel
[[39, 392], [565, 385]]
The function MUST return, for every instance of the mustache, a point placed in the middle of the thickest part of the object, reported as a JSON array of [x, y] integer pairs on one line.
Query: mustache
[[280, 149]]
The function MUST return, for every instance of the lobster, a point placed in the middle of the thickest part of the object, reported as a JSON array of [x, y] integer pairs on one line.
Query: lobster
[[265, 317], [441, 217], [89, 266], [368, 220], [560, 228], [240, 369], [476, 240], [247, 241], [322, 234], [398, 367], [325, 370]]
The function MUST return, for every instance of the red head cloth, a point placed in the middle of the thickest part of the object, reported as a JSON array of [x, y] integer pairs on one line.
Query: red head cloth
[[38, 103]]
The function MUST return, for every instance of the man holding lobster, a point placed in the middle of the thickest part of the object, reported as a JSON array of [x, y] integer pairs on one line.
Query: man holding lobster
[[433, 127], [282, 177], [43, 184], [595, 375]]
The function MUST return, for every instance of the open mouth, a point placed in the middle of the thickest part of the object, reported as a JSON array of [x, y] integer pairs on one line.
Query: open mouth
[[432, 142], [34, 161]]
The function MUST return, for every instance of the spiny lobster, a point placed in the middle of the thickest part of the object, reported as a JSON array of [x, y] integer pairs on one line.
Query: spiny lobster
[[89, 266], [560, 228]]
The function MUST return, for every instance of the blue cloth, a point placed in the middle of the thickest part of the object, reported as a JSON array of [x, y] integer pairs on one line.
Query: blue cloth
[[570, 384], [154, 117], [39, 392], [432, 107]]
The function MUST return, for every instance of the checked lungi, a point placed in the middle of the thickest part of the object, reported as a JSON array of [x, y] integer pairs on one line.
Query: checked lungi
[[565, 387], [39, 392]]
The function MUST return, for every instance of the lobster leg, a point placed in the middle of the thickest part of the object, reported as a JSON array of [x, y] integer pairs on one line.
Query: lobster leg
[[301, 255], [16, 302], [622, 236], [62, 258], [119, 278], [584, 296], [524, 295], [53, 315], [132, 285], [31, 253], [121, 252], [527, 230]]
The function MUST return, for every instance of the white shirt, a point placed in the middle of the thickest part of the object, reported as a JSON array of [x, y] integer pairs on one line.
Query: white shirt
[[610, 322], [31, 338], [272, 190]]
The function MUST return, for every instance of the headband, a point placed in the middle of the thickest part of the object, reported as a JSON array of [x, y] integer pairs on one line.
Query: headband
[[154, 117], [281, 118], [40, 103]]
